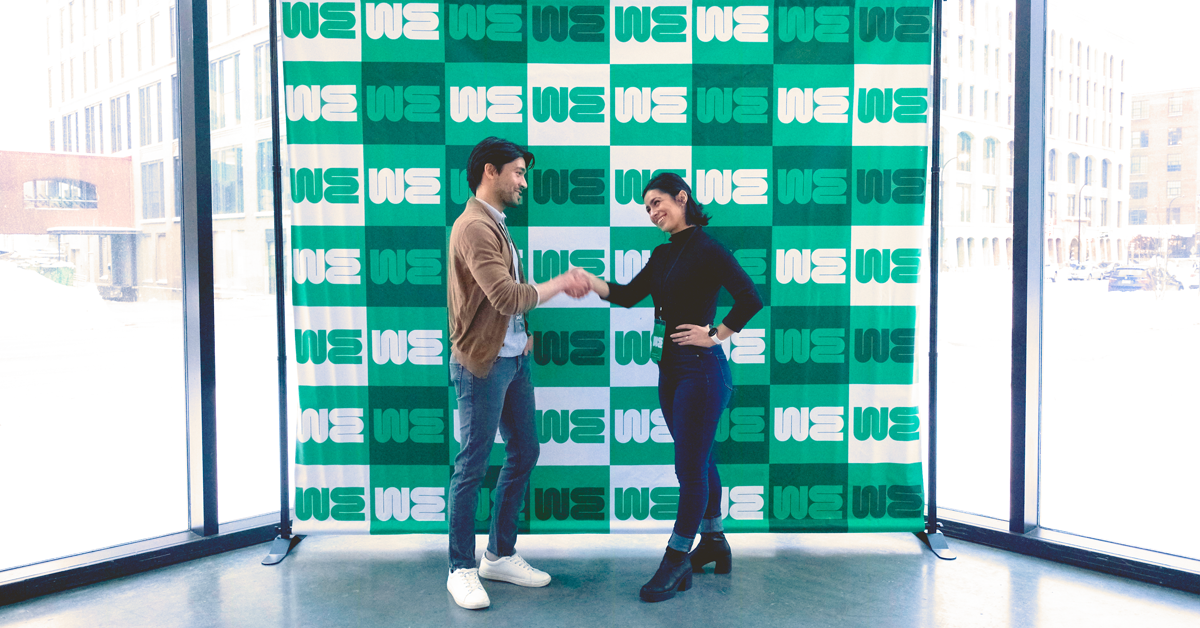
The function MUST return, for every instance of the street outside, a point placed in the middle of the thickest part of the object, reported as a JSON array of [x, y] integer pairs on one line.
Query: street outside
[[1119, 408], [93, 435]]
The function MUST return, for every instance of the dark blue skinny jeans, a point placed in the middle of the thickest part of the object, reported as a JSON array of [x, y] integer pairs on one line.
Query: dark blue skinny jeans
[[504, 400], [694, 386]]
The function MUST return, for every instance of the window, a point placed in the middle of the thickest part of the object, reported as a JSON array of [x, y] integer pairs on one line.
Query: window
[[964, 152], [960, 98], [1175, 106], [1104, 166], [171, 26], [1072, 166], [1012, 159], [1139, 110], [139, 46], [60, 194], [1052, 44], [1009, 202], [1173, 188], [989, 204], [1103, 212], [1010, 119], [150, 113], [265, 184], [1174, 136], [178, 187], [971, 101], [987, 97], [70, 128], [1052, 209], [119, 123], [1120, 176], [964, 202], [262, 83], [1071, 206], [91, 126], [1087, 170], [52, 135], [960, 51], [1049, 118], [1139, 164], [989, 156], [972, 55], [1052, 164], [227, 181], [224, 98], [1174, 162], [945, 94], [1140, 139], [175, 117], [1139, 189], [1010, 68], [986, 56], [152, 190], [1087, 208]]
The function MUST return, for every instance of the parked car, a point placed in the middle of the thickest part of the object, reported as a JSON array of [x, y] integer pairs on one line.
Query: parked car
[[1104, 269], [1191, 276], [1129, 278], [1079, 272], [1165, 279]]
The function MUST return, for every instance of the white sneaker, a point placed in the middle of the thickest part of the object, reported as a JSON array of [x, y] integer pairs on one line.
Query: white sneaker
[[464, 585], [513, 569]]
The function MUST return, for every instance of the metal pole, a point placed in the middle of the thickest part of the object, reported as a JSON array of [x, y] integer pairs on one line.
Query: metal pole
[[285, 541], [195, 150], [930, 535]]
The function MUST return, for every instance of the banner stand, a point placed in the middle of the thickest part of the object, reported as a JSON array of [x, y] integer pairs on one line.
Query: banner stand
[[931, 536], [285, 540]]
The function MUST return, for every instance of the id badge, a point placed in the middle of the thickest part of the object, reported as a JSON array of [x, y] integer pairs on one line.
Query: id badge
[[656, 341]]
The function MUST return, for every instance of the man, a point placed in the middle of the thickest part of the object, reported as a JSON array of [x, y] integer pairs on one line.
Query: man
[[487, 297]]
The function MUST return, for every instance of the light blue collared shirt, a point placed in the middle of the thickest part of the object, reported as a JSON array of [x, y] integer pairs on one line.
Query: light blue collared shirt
[[516, 338]]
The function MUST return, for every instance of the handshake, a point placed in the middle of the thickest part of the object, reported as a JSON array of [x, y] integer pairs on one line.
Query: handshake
[[576, 283]]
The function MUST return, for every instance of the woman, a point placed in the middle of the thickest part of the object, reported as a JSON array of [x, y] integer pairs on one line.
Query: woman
[[694, 383]]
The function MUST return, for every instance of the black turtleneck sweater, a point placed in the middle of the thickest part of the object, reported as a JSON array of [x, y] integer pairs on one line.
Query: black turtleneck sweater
[[684, 276]]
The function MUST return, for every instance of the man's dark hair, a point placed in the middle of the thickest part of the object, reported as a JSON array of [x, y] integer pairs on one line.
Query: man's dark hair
[[673, 184], [495, 151]]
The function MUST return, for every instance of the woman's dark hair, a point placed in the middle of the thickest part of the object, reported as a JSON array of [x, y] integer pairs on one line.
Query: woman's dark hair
[[495, 151], [672, 184]]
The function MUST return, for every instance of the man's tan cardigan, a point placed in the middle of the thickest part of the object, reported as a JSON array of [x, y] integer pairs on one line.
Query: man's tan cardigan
[[481, 294]]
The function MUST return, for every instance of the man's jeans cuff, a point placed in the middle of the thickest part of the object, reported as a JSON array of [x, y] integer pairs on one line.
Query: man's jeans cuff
[[680, 543], [711, 525]]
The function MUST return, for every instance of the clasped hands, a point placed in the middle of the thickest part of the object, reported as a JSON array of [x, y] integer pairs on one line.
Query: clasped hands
[[577, 283]]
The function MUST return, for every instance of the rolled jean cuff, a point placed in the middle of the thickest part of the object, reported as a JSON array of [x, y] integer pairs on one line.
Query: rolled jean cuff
[[711, 525], [680, 543]]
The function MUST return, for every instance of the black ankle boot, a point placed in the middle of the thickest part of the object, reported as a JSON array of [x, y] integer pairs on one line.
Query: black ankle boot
[[670, 577], [712, 548]]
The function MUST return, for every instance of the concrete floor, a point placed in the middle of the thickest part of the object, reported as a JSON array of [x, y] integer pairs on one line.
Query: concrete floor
[[777, 580]]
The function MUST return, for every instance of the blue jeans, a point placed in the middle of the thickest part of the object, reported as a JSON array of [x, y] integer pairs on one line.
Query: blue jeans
[[503, 399], [694, 386]]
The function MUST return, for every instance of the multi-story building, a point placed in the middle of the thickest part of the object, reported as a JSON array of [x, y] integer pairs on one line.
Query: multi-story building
[[1087, 118], [111, 71], [1163, 166]]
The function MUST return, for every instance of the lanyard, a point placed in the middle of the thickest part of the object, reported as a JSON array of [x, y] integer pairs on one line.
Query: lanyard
[[658, 308]]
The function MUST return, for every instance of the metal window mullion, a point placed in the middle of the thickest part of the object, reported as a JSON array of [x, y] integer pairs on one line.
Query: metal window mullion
[[1028, 223], [197, 244]]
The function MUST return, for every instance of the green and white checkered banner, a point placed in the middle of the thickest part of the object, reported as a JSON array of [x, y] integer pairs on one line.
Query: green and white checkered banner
[[802, 129]]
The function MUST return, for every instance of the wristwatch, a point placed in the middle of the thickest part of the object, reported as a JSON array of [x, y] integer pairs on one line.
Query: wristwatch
[[712, 333]]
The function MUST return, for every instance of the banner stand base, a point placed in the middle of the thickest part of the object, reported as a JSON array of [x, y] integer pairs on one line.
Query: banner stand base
[[280, 548], [935, 541]]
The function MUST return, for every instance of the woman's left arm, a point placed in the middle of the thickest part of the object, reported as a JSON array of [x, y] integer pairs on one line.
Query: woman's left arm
[[746, 301]]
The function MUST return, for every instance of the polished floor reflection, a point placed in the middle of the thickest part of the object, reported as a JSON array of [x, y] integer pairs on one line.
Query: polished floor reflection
[[777, 580]]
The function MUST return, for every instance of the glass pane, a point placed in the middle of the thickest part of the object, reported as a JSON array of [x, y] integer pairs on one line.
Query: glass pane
[[975, 296], [1119, 411], [243, 262], [94, 444]]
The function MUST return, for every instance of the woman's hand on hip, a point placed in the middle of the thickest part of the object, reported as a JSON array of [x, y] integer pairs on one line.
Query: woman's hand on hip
[[693, 335]]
